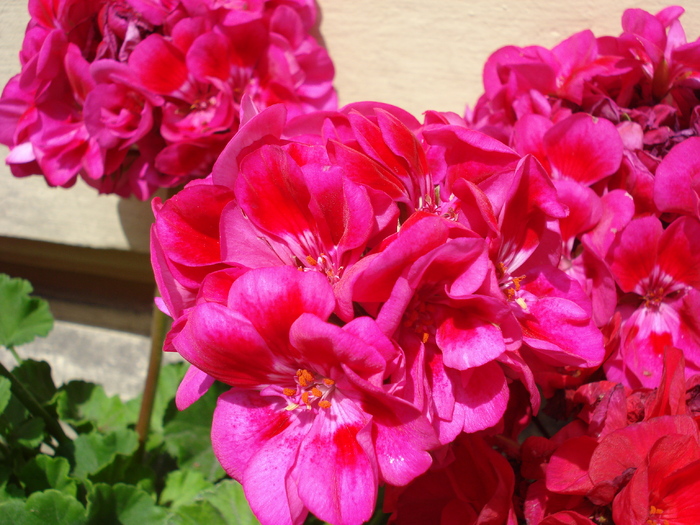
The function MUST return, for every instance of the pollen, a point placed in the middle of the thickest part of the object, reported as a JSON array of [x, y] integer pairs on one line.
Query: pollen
[[517, 281], [313, 391], [304, 377], [311, 260]]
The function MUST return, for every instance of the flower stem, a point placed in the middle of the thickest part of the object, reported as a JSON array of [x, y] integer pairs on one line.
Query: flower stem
[[159, 327], [14, 353], [30, 403]]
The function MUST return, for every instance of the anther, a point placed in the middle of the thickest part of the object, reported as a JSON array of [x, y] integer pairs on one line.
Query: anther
[[328, 381], [324, 404], [289, 392], [316, 392]]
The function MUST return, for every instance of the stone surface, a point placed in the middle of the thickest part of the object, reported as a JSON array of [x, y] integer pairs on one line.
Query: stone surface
[[116, 360]]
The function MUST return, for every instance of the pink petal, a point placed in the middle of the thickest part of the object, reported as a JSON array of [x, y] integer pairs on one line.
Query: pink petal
[[336, 468], [159, 65], [583, 149], [193, 386]]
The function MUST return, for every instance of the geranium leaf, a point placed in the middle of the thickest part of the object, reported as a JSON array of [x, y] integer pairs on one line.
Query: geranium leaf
[[13, 512], [187, 436], [123, 504], [181, 486], [30, 433], [23, 317], [168, 380], [36, 377], [55, 507], [224, 504], [44, 472], [95, 451], [86, 406]]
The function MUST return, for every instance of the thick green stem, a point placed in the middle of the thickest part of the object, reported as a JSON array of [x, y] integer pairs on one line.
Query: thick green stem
[[159, 327], [30, 403]]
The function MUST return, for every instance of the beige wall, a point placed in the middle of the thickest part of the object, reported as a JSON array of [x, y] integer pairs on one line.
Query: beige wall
[[416, 54]]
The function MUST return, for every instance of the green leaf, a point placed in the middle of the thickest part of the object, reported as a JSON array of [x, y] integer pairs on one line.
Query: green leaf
[[86, 406], [181, 487], [95, 451], [44, 472], [13, 512], [57, 508], [29, 434], [5, 393], [23, 317], [9, 491], [188, 436], [224, 504], [36, 377], [168, 381], [122, 505]]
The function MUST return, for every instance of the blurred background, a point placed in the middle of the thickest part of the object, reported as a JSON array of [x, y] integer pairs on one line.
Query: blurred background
[[88, 254]]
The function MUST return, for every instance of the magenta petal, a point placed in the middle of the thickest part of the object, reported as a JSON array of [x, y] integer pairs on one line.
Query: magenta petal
[[193, 386], [256, 443], [482, 396], [584, 149], [225, 345], [208, 57], [243, 423], [677, 179], [403, 437], [679, 251], [467, 341], [336, 467], [265, 127], [159, 65], [633, 254], [273, 298], [272, 191], [561, 330], [322, 342]]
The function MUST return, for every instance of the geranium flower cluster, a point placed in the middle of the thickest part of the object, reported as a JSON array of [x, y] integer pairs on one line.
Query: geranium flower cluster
[[629, 457], [388, 300], [135, 95], [615, 122], [373, 290]]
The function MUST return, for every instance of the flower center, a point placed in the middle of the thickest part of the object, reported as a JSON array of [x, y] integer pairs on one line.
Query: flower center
[[323, 264], [419, 318], [309, 390], [656, 517], [510, 286]]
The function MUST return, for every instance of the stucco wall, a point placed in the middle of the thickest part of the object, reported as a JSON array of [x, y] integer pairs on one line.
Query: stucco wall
[[415, 54]]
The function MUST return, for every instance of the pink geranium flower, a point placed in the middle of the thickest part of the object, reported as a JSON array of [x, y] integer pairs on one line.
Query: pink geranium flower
[[657, 270], [312, 423], [132, 96]]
